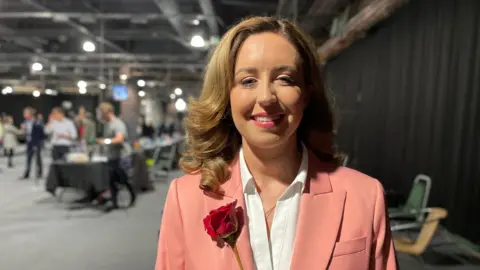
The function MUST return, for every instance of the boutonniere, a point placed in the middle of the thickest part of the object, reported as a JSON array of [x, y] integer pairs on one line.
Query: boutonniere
[[224, 224]]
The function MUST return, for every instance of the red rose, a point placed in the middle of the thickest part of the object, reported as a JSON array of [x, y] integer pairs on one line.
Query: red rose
[[222, 222]]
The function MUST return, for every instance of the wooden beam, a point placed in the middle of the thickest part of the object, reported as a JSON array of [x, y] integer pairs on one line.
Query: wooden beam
[[357, 26]]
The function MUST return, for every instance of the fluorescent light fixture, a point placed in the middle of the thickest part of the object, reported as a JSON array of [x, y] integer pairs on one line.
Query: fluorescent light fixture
[[178, 91], [180, 105], [51, 92], [37, 66], [89, 46], [82, 90], [141, 83], [123, 77], [197, 41], [102, 86], [141, 93], [82, 84], [172, 96], [36, 93]]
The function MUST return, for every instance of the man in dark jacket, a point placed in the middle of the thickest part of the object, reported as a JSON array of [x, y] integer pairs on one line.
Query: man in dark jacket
[[34, 137]]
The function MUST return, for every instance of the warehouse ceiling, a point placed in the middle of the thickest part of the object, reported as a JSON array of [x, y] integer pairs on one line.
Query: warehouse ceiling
[[48, 43]]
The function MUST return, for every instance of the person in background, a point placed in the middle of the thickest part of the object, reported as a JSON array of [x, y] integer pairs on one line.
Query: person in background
[[10, 139], [63, 133], [33, 131], [86, 127], [144, 129], [1, 138], [115, 137], [40, 118], [2, 121]]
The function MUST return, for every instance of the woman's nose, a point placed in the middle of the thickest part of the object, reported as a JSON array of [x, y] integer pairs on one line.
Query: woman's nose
[[266, 94]]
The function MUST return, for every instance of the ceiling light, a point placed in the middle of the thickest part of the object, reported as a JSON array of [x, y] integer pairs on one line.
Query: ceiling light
[[82, 90], [141, 93], [102, 86], [197, 41], [180, 105], [178, 91], [7, 90], [37, 66], [141, 83], [123, 77], [81, 84], [36, 93], [196, 22], [88, 46], [48, 91], [172, 96]]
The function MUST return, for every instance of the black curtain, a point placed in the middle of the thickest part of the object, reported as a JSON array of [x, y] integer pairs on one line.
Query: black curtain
[[408, 103]]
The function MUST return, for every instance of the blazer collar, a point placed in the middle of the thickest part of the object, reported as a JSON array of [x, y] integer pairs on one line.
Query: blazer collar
[[319, 220]]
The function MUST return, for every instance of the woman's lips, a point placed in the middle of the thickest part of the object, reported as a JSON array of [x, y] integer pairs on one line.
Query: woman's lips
[[266, 121]]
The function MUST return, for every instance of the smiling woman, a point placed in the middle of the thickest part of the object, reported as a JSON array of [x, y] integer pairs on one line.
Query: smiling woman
[[260, 140]]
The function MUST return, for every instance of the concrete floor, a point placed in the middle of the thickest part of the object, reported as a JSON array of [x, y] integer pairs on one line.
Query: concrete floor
[[37, 232]]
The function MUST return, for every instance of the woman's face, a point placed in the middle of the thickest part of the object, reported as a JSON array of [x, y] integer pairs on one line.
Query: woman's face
[[267, 98]]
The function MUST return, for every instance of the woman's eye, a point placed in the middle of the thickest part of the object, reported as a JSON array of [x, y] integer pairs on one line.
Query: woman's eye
[[286, 80], [248, 82]]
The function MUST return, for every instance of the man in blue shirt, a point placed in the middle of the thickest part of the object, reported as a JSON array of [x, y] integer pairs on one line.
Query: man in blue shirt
[[34, 136]]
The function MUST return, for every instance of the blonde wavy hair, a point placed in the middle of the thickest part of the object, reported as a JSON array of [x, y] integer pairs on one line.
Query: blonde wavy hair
[[213, 141]]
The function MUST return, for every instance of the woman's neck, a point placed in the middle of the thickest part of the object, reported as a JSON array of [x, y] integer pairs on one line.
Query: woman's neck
[[280, 163]]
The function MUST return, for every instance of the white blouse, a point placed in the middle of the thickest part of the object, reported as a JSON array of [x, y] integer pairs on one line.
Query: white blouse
[[276, 255]]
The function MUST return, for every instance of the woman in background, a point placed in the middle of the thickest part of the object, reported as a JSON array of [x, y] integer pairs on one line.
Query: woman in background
[[10, 139]]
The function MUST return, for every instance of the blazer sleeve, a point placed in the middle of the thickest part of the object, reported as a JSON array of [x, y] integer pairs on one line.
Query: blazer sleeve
[[171, 252], [383, 252]]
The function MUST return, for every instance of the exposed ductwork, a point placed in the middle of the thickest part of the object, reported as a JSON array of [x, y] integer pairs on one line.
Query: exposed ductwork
[[82, 29]]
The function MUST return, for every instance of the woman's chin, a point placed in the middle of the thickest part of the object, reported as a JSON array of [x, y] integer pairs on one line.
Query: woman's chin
[[266, 141]]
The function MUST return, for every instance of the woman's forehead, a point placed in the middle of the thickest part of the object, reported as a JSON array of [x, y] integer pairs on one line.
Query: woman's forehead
[[266, 50]]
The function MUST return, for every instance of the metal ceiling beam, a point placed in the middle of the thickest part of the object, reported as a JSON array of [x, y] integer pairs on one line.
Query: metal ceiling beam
[[250, 4], [170, 9], [7, 33], [321, 13], [112, 34], [287, 9], [62, 16], [209, 12], [82, 29], [92, 65], [121, 57]]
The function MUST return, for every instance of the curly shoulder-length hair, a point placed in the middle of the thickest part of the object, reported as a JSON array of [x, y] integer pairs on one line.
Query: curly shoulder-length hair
[[213, 141]]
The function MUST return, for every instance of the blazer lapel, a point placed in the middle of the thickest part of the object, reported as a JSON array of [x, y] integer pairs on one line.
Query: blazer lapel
[[321, 211], [232, 190]]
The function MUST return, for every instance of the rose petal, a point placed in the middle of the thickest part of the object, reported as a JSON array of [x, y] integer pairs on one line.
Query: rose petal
[[208, 226], [223, 221]]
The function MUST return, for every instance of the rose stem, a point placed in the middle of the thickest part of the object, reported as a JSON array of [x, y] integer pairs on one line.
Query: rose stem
[[235, 250]]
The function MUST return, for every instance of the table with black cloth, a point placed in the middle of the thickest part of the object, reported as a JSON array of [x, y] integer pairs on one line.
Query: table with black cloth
[[140, 177], [81, 176]]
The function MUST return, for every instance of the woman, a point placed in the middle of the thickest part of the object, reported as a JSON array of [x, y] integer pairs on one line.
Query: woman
[[260, 134], [10, 139]]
